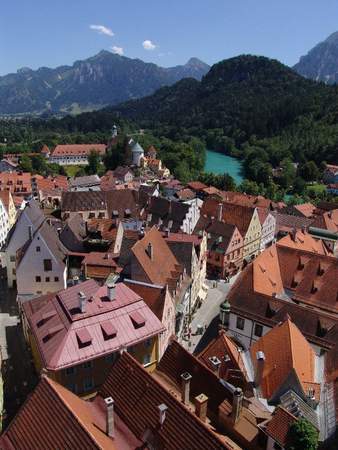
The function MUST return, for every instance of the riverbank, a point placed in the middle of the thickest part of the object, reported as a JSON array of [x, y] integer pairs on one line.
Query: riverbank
[[219, 163]]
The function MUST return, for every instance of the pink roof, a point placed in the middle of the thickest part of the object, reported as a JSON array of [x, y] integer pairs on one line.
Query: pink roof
[[79, 149], [65, 336]]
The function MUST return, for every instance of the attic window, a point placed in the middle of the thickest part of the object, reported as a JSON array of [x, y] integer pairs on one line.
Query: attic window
[[127, 212], [294, 283], [115, 213], [83, 338], [52, 332], [45, 317], [108, 330], [301, 264], [137, 319], [320, 271]]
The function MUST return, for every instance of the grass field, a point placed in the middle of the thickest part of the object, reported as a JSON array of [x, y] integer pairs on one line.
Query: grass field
[[316, 188], [71, 170]]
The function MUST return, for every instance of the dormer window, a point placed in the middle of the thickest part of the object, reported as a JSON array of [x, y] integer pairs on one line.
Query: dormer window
[[83, 337], [137, 319]]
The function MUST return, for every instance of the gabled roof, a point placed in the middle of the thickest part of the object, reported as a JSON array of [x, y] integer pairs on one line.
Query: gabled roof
[[196, 185], [278, 426], [66, 336], [87, 180], [83, 201], [124, 202], [162, 267], [53, 417], [327, 221], [78, 149], [287, 222], [153, 295], [137, 396], [295, 353], [161, 209], [305, 209], [238, 215], [224, 348], [302, 240]]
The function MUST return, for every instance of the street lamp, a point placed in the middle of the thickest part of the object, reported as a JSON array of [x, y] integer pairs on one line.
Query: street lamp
[[224, 314]]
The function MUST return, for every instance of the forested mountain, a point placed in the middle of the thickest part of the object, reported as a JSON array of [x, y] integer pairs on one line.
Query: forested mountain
[[104, 79], [321, 63], [244, 100]]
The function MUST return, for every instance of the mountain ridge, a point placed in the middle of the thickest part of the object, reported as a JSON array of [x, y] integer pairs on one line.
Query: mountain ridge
[[96, 82], [321, 62]]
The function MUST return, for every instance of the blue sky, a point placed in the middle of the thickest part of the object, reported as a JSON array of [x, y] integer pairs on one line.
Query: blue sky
[[49, 33]]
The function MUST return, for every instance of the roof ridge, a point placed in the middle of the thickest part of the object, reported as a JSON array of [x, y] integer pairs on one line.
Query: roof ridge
[[50, 383]]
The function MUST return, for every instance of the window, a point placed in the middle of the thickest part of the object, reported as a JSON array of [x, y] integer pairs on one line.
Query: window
[[70, 370], [38, 279], [88, 384], [47, 265], [56, 279], [147, 343], [14, 271], [47, 279], [87, 365], [146, 359], [12, 258], [258, 330], [240, 323], [38, 248]]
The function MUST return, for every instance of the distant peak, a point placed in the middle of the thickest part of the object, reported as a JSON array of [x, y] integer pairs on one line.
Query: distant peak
[[333, 38], [24, 70], [195, 62]]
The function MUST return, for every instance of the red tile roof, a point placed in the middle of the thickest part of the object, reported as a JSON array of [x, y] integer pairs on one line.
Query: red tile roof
[[154, 296], [306, 209], [278, 426], [196, 186], [78, 149], [161, 268], [297, 355], [137, 396], [67, 422], [60, 348], [19, 183], [224, 348]]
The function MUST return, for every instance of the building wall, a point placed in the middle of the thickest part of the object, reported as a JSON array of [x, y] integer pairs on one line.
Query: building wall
[[69, 160], [252, 238], [198, 272], [19, 237], [268, 231], [32, 266], [168, 320], [226, 264], [4, 224], [192, 216], [245, 336]]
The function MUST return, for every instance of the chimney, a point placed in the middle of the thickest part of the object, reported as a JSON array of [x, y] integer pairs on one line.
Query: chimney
[[83, 301], [75, 280], [293, 234], [30, 232], [201, 407], [167, 232], [237, 404], [149, 217], [110, 427], [220, 212], [150, 250], [162, 409], [216, 364], [260, 360], [111, 287], [185, 388], [170, 224]]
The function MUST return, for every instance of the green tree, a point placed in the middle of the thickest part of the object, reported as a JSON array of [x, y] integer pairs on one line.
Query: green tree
[[39, 164], [94, 163], [302, 435], [309, 171], [228, 183], [26, 163]]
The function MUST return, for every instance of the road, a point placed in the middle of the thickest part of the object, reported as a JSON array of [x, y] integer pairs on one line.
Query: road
[[207, 316]]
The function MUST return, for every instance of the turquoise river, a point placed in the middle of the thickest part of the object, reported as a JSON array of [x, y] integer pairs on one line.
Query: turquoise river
[[218, 163]]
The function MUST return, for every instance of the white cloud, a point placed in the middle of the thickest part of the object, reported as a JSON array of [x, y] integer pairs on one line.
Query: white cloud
[[148, 45], [117, 50], [101, 29]]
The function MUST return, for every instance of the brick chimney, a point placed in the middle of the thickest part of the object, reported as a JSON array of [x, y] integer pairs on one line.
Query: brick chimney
[[83, 301], [237, 404], [185, 387], [215, 364], [110, 426], [201, 407], [260, 361], [111, 290]]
